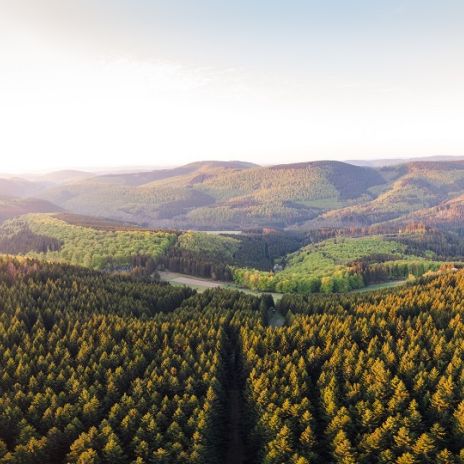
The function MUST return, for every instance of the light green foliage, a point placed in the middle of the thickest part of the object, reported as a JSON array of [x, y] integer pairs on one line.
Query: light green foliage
[[91, 247], [325, 266], [322, 257]]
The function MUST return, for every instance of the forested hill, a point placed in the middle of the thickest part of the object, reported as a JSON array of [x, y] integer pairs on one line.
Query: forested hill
[[220, 195], [411, 187], [113, 370], [266, 260], [11, 207], [102, 244], [235, 195]]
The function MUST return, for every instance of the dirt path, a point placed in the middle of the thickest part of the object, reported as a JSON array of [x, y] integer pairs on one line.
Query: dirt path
[[196, 282], [235, 453], [275, 318], [201, 284]]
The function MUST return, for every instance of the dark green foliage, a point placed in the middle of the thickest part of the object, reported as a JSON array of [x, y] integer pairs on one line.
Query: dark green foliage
[[93, 370], [24, 241], [443, 244], [214, 256], [361, 379], [110, 369]]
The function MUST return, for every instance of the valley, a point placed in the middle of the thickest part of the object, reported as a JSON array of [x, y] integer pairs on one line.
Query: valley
[[270, 261], [231, 232]]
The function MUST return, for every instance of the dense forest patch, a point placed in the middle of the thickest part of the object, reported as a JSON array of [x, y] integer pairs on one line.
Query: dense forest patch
[[110, 369], [342, 264], [96, 248], [215, 256], [263, 260]]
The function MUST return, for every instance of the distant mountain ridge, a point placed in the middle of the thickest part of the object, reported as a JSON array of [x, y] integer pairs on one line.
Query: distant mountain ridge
[[235, 195], [380, 163], [62, 177], [219, 194], [12, 207], [145, 177]]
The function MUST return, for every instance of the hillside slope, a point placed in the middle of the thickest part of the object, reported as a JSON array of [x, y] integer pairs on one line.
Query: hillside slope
[[11, 207], [17, 187], [342, 264], [221, 195], [447, 215], [53, 238], [412, 187]]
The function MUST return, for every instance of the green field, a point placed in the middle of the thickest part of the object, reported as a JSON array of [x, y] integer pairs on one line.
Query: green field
[[382, 286]]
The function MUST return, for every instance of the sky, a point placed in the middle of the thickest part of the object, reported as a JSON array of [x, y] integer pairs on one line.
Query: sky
[[102, 83]]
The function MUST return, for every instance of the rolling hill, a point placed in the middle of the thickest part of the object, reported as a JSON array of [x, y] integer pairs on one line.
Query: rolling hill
[[380, 163], [344, 264], [11, 207], [105, 244], [56, 238], [447, 215], [18, 187], [235, 195], [412, 187], [224, 195], [189, 171], [274, 261]]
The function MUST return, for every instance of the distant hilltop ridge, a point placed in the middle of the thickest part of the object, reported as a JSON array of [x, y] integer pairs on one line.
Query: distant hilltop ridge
[[237, 195], [382, 162]]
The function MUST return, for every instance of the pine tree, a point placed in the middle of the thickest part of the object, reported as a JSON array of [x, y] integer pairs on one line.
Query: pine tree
[[343, 452], [406, 458], [112, 452]]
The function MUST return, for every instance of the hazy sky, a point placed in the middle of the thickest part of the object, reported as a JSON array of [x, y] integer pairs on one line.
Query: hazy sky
[[124, 82]]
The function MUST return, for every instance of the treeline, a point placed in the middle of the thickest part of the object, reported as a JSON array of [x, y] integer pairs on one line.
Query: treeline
[[354, 276], [215, 256], [339, 281], [192, 264], [23, 241], [419, 238], [376, 272], [445, 245]]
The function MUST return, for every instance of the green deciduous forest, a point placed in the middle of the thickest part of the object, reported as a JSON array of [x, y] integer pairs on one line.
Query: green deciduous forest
[[342, 264], [54, 239], [99, 368], [323, 261]]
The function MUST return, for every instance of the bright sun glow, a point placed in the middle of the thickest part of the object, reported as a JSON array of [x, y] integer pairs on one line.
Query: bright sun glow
[[63, 104]]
